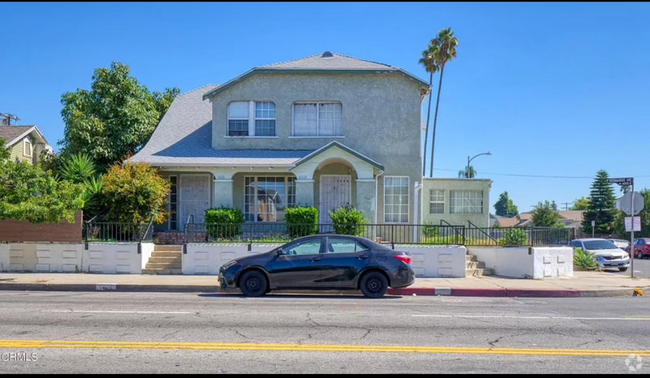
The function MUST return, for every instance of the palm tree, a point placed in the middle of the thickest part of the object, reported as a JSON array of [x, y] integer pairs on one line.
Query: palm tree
[[463, 173], [446, 44], [430, 65]]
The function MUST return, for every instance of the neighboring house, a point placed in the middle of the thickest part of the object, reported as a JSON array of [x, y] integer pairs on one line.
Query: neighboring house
[[25, 142], [456, 201], [326, 131], [570, 219]]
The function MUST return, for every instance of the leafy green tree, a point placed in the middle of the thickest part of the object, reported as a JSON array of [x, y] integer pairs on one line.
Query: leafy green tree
[[467, 173], [5, 153], [29, 193], [80, 169], [553, 206], [581, 203], [113, 119], [431, 66], [545, 215], [444, 46], [134, 193], [504, 206], [601, 206]]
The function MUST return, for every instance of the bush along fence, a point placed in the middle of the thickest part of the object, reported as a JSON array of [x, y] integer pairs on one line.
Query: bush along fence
[[280, 232]]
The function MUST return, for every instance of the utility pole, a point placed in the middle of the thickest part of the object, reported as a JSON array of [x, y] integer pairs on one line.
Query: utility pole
[[566, 205], [8, 117]]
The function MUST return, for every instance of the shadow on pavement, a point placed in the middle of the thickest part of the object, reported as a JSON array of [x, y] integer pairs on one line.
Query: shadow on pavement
[[296, 295]]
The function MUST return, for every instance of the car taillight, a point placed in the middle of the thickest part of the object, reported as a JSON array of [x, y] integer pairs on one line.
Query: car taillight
[[406, 259]]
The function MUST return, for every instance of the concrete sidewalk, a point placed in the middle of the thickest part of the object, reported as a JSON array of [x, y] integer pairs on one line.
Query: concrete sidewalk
[[582, 284]]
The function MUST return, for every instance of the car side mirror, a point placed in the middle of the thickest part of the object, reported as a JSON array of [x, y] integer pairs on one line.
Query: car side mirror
[[279, 252]]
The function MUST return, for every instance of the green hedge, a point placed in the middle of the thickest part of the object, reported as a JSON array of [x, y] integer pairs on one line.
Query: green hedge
[[224, 222], [301, 221], [348, 221]]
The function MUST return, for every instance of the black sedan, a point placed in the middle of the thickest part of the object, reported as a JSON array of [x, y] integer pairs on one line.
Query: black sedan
[[321, 262]]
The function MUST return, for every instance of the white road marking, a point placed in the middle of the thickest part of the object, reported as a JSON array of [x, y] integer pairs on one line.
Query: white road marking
[[644, 317], [123, 312]]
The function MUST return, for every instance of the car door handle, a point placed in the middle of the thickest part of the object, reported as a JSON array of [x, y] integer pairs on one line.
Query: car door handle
[[315, 259], [362, 257]]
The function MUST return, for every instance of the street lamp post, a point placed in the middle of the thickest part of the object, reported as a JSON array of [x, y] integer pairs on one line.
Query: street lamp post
[[467, 174]]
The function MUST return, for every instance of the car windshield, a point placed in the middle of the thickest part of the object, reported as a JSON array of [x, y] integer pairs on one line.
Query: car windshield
[[599, 244]]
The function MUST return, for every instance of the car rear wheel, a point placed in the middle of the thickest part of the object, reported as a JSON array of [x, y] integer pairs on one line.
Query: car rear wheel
[[374, 285], [622, 269], [253, 284]]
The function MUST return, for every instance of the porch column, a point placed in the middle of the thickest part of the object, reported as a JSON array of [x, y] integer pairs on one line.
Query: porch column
[[366, 198], [305, 192], [222, 189]]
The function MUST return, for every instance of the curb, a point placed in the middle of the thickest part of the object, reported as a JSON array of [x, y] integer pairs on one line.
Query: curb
[[215, 289]]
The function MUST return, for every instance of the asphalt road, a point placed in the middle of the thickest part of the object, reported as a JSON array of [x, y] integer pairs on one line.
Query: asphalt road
[[64, 332], [641, 269]]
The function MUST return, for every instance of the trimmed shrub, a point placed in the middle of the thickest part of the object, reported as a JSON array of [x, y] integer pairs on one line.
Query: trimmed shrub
[[301, 221], [223, 222], [348, 221]]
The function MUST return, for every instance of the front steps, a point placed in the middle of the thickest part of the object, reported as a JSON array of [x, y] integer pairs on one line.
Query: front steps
[[474, 268], [165, 259]]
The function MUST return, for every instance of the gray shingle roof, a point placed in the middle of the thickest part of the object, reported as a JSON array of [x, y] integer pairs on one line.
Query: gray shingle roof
[[336, 62], [184, 138], [9, 133], [317, 64]]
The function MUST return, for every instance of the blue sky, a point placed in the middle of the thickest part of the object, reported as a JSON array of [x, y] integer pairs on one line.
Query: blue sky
[[550, 89]]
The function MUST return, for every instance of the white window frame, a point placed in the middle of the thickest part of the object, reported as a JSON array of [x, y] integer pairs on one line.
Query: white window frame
[[408, 196], [27, 148], [252, 113], [452, 210], [255, 205], [436, 201], [317, 103], [170, 203]]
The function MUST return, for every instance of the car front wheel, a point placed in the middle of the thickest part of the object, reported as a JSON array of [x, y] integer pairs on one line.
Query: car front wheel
[[374, 285], [640, 256], [253, 284], [622, 269]]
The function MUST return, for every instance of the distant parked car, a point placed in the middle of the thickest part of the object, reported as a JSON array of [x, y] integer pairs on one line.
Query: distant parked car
[[641, 248], [621, 243], [321, 262], [608, 255]]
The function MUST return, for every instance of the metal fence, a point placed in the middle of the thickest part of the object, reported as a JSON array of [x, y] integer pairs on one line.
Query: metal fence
[[383, 233], [117, 232]]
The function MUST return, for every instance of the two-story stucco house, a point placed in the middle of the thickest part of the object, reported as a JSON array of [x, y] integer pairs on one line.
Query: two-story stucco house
[[325, 131], [25, 142]]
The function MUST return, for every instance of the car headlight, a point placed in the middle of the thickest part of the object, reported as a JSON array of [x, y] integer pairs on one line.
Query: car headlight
[[600, 258], [229, 264]]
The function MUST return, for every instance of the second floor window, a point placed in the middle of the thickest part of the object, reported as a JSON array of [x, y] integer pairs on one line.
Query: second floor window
[[251, 118], [316, 119], [436, 201]]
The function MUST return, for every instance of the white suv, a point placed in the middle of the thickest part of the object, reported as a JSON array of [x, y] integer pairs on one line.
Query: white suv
[[608, 255]]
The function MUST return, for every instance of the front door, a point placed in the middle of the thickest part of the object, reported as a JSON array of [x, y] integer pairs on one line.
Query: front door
[[194, 198], [298, 265], [343, 260], [334, 193]]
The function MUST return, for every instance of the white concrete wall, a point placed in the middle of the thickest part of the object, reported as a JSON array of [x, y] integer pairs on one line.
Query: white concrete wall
[[147, 250], [520, 262], [552, 262], [428, 261], [436, 261], [59, 258], [207, 258], [4, 257], [120, 258]]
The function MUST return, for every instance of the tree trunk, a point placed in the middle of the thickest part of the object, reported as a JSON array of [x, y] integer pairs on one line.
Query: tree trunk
[[435, 119], [426, 130]]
